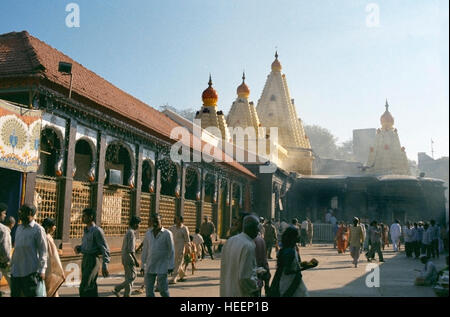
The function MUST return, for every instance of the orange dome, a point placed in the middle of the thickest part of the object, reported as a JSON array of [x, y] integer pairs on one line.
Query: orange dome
[[209, 95], [387, 120], [276, 65], [243, 91]]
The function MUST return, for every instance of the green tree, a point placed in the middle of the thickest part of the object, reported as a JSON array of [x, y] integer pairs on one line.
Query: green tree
[[324, 144], [345, 151], [322, 141]]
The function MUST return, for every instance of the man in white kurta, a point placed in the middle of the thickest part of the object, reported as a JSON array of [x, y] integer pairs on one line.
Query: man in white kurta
[[181, 240], [396, 232], [157, 257], [238, 263]]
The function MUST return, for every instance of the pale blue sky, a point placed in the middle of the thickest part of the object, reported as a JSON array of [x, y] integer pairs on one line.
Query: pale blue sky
[[339, 71]]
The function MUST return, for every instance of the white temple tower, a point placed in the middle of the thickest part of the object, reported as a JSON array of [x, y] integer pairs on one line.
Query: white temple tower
[[276, 109], [387, 157]]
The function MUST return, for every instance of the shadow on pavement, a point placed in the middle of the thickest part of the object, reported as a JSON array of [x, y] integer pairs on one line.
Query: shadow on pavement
[[396, 279]]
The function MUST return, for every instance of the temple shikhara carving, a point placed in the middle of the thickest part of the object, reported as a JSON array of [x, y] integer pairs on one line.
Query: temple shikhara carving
[[275, 109], [387, 156], [212, 119]]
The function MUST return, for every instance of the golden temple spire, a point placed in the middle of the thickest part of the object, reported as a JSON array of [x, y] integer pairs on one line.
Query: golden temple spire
[[209, 95], [387, 120], [243, 91], [276, 65]]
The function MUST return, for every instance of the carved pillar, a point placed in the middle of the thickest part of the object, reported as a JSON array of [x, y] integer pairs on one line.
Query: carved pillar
[[215, 205], [155, 205], [98, 195], [201, 203], [65, 205], [30, 188], [180, 200], [138, 188], [229, 205], [66, 183]]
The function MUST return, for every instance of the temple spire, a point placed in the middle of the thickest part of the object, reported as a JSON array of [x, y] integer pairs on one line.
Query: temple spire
[[210, 81], [243, 77], [387, 105], [276, 65]]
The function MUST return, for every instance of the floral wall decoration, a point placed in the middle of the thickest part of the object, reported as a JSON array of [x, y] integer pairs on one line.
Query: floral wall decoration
[[20, 130]]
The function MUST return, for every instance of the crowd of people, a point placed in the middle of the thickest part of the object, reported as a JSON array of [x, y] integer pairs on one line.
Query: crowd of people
[[244, 269], [421, 240], [35, 268]]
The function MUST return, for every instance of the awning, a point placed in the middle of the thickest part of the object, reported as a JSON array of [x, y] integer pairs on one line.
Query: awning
[[20, 132]]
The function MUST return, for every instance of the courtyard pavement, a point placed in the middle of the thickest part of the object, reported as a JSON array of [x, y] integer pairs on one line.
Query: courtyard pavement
[[334, 277]]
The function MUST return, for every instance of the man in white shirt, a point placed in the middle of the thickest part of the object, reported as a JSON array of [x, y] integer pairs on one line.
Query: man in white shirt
[[29, 260], [238, 276], [5, 243], [181, 241], [158, 257], [129, 260], [396, 232]]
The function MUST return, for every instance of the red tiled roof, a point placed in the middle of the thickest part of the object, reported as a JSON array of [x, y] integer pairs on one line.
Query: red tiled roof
[[22, 54]]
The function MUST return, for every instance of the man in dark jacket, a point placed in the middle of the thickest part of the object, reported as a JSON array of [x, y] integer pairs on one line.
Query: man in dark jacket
[[270, 237]]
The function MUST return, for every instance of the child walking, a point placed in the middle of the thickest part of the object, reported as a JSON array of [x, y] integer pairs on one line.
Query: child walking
[[190, 256]]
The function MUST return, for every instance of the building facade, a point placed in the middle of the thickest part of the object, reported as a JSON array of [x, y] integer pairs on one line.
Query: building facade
[[104, 149]]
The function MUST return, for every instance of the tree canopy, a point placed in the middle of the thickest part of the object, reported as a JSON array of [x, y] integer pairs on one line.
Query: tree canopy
[[325, 144]]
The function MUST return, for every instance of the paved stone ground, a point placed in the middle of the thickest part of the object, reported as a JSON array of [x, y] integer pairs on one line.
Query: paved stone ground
[[335, 276]]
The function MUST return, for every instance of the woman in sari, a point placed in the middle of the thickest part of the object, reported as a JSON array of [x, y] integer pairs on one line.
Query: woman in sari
[[342, 238], [288, 281], [54, 275]]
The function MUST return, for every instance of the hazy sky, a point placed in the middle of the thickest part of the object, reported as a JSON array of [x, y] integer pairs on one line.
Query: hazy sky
[[339, 69]]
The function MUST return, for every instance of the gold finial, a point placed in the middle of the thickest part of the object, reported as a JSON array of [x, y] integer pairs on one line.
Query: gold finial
[[387, 120], [243, 91], [276, 65], [209, 95]]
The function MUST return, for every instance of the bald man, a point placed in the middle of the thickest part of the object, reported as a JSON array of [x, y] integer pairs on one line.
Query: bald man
[[238, 262]]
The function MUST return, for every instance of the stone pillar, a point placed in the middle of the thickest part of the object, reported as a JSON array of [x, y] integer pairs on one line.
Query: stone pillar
[[201, 203], [229, 208], [65, 192], [155, 205], [264, 204], [180, 200], [98, 193], [30, 188], [246, 198], [138, 188], [220, 218], [215, 205]]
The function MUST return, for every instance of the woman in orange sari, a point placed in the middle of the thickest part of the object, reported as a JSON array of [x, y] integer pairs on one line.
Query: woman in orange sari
[[342, 238], [54, 275]]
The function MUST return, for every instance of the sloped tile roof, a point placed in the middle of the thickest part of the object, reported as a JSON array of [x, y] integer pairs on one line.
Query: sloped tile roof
[[22, 54]]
